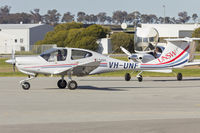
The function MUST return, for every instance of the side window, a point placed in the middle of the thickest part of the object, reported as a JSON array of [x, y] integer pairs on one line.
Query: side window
[[80, 54], [54, 54], [61, 55]]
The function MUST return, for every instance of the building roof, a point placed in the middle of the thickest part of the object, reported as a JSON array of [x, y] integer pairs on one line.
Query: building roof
[[18, 26], [171, 30]]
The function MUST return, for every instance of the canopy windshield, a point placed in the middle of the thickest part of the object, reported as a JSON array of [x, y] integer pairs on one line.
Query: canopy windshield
[[145, 44]]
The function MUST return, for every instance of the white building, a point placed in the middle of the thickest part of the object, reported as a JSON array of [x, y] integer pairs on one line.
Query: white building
[[173, 30], [20, 37], [105, 46]]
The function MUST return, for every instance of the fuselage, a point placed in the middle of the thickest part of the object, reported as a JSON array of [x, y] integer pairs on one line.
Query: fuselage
[[41, 65]]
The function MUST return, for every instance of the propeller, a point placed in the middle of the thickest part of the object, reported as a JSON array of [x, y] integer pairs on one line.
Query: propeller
[[133, 57], [13, 58], [125, 51], [12, 61]]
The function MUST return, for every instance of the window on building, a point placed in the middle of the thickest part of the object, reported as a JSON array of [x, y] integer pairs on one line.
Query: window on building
[[22, 48], [15, 40], [21, 40]]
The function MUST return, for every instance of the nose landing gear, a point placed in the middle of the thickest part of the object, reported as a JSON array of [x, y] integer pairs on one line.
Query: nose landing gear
[[179, 76], [26, 85]]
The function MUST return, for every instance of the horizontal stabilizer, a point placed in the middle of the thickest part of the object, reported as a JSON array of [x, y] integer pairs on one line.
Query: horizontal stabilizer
[[192, 64], [186, 39]]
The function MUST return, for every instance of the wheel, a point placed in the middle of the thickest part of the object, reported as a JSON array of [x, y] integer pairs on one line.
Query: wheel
[[26, 86], [140, 78], [179, 76], [61, 84], [127, 77], [72, 85]]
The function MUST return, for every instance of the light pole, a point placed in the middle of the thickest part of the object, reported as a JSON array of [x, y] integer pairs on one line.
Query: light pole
[[164, 13]]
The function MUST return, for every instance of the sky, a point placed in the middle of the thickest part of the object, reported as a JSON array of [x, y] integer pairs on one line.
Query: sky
[[172, 7]]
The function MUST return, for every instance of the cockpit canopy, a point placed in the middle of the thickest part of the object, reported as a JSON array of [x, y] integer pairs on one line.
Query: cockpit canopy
[[60, 54], [145, 39], [54, 54]]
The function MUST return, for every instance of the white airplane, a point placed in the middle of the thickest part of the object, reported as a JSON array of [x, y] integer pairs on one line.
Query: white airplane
[[152, 54], [81, 62]]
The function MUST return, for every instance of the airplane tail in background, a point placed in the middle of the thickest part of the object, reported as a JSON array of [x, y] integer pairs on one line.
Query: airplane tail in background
[[175, 55]]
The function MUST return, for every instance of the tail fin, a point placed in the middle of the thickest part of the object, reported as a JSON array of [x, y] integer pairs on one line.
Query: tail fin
[[176, 54]]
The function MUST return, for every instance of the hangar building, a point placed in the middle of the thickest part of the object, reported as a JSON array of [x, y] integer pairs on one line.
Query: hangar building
[[21, 37]]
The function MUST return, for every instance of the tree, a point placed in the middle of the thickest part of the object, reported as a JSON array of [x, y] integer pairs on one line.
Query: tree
[[122, 39], [5, 10], [153, 18], [52, 17], [101, 17], [81, 16], [145, 18], [119, 17], [36, 15], [74, 35], [133, 17], [196, 34], [108, 19], [183, 17], [96, 31], [194, 17], [68, 17], [93, 18]]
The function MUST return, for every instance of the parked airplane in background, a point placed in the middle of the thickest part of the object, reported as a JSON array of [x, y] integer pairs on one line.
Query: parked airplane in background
[[81, 62], [153, 52], [147, 48]]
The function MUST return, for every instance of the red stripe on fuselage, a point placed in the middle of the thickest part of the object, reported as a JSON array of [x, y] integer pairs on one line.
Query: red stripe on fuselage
[[172, 59], [56, 65]]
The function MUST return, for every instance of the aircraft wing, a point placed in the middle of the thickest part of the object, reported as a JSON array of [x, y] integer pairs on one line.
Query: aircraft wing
[[186, 39], [80, 69]]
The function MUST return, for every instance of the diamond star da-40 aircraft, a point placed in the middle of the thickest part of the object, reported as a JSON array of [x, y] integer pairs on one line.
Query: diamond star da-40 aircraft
[[81, 62]]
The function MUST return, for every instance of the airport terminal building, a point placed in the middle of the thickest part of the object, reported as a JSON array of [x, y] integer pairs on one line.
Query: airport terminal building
[[21, 37]]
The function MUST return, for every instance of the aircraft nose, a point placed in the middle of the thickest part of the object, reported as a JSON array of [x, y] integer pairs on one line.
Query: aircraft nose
[[10, 61]]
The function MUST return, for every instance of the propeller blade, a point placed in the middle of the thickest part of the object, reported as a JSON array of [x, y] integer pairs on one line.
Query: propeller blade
[[14, 67], [125, 51], [13, 54]]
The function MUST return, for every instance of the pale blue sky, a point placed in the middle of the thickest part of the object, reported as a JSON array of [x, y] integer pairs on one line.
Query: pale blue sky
[[108, 6]]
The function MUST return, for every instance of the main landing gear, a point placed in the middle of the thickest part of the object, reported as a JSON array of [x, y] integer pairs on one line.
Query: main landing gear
[[72, 85], [179, 76], [139, 77]]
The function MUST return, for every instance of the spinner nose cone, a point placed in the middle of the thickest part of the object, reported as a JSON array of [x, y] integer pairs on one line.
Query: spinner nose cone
[[10, 61]]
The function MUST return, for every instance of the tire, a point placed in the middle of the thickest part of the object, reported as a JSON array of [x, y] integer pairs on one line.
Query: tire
[[72, 85], [179, 76], [61, 84], [140, 78], [127, 77], [26, 85]]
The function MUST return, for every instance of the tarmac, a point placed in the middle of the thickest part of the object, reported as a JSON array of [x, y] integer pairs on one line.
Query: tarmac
[[101, 105]]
